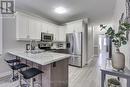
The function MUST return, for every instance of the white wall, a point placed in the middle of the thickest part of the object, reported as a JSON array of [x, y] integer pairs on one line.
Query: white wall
[[90, 43], [119, 9], [9, 35], [9, 41]]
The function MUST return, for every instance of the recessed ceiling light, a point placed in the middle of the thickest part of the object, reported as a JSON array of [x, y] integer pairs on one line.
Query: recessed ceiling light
[[60, 10]]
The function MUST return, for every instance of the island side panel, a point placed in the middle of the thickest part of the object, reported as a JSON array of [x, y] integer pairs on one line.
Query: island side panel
[[46, 76], [59, 73]]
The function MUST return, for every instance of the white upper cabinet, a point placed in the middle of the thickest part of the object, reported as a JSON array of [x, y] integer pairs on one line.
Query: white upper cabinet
[[30, 28], [22, 24], [70, 28], [76, 26], [44, 27], [38, 30], [53, 29], [62, 33], [27, 27], [35, 29]]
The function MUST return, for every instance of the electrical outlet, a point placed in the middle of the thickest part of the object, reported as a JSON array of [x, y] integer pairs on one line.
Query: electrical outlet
[[34, 79]]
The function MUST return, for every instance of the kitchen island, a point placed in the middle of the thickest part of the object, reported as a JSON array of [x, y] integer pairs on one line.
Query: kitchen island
[[54, 65]]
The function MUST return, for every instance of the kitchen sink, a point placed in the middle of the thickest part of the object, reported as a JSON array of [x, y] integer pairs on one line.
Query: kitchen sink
[[36, 51]]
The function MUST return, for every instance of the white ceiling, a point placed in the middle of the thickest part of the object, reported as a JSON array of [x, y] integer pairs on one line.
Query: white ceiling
[[93, 9]]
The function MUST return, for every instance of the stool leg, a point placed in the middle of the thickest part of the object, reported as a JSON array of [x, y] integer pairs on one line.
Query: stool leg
[[20, 80], [31, 83], [13, 74], [14, 78]]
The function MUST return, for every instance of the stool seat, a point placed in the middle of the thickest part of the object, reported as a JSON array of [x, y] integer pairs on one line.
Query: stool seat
[[18, 66], [30, 73], [12, 61]]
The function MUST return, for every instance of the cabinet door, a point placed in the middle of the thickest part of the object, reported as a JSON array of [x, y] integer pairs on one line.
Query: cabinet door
[[44, 27], [35, 29], [22, 23], [53, 29], [38, 30], [70, 28], [56, 32], [62, 34], [49, 28], [76, 26], [32, 28]]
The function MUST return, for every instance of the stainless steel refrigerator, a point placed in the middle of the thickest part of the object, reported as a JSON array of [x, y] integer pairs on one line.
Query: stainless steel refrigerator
[[74, 47]]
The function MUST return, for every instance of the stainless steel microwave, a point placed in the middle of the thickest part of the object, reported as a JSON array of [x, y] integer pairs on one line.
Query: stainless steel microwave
[[46, 37]]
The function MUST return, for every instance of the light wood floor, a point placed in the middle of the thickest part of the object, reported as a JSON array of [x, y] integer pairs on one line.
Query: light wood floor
[[88, 76]]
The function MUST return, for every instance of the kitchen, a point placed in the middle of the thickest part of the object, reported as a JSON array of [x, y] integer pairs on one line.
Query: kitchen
[[51, 36], [41, 36], [54, 37]]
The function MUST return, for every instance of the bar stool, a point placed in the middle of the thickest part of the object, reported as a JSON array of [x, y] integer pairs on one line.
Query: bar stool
[[29, 74], [18, 66], [12, 63]]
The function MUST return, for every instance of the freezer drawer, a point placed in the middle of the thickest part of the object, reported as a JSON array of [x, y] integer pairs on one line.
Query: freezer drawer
[[75, 60]]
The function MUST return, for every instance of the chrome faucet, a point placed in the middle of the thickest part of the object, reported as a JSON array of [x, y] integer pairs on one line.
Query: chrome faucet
[[33, 44]]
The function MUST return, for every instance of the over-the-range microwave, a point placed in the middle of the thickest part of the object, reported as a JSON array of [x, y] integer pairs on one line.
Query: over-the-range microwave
[[46, 37]]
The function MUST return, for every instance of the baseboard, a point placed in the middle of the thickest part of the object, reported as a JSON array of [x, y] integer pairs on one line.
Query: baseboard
[[5, 74], [89, 61]]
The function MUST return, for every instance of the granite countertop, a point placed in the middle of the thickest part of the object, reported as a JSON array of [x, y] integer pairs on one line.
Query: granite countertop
[[42, 58]]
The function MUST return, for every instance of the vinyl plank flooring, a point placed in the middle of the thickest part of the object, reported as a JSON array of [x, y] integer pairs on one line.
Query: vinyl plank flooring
[[88, 76]]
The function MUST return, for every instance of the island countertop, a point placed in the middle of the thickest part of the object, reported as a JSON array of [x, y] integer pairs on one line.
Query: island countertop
[[42, 58]]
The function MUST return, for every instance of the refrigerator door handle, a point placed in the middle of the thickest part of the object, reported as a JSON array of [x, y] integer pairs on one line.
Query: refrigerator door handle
[[72, 49], [72, 44], [68, 45]]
